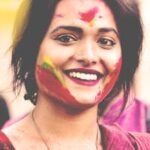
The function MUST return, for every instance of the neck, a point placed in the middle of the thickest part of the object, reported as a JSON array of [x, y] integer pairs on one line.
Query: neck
[[59, 123]]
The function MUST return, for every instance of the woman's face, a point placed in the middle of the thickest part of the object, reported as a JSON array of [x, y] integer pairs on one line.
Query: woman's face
[[80, 56]]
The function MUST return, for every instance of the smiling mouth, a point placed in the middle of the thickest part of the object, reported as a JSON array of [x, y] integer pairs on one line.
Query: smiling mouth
[[84, 76]]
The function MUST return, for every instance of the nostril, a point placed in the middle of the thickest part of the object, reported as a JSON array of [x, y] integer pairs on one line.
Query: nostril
[[87, 62], [86, 57]]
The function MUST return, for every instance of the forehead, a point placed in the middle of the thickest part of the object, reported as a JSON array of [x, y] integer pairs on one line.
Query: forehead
[[75, 7], [95, 13]]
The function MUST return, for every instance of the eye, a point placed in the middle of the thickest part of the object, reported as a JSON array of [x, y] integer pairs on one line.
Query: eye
[[106, 43], [66, 39]]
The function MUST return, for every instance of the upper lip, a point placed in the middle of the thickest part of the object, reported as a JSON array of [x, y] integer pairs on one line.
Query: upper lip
[[85, 71]]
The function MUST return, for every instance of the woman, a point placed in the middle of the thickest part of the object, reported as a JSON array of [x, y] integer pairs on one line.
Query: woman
[[74, 57]]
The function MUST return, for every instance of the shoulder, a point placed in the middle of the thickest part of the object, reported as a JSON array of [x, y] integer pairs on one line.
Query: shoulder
[[5, 144], [114, 136]]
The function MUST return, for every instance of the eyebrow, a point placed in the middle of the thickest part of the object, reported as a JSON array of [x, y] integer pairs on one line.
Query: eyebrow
[[71, 28], [105, 30], [79, 30]]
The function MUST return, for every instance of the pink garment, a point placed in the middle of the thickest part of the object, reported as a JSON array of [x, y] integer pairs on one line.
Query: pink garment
[[113, 138], [5, 143], [12, 121], [132, 119]]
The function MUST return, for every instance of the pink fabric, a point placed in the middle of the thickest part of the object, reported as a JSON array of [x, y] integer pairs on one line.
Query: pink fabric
[[132, 119], [115, 138], [5, 144], [12, 121]]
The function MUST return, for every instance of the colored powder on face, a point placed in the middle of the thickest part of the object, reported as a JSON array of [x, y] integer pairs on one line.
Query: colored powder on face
[[48, 65], [89, 15], [55, 88], [113, 78], [51, 83]]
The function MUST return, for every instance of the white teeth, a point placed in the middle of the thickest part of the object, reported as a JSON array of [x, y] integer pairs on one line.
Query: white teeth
[[83, 76]]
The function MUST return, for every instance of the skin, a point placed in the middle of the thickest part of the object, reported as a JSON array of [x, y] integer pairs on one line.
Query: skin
[[85, 49], [62, 122], [89, 15]]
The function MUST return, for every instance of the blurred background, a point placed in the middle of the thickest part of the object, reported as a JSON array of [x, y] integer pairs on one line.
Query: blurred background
[[17, 105]]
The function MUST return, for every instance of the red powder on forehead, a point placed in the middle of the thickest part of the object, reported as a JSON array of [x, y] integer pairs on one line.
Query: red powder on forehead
[[89, 15]]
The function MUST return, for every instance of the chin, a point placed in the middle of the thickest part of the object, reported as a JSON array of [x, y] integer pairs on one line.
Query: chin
[[86, 99], [79, 103]]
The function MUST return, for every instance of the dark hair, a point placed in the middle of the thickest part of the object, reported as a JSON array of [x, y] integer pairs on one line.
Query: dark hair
[[26, 46], [4, 112], [128, 21], [39, 16]]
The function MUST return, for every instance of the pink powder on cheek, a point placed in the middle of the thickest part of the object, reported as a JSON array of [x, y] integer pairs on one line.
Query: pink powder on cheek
[[89, 15], [52, 84], [54, 87], [114, 77]]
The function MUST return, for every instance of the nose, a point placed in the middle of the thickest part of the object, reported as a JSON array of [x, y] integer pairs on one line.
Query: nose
[[87, 54]]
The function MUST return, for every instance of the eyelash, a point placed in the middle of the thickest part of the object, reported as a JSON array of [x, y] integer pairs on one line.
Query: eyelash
[[106, 43], [66, 39]]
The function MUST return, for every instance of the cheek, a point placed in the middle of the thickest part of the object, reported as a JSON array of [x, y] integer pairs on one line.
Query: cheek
[[50, 50], [48, 65], [51, 81], [58, 56], [110, 81], [112, 61], [53, 88]]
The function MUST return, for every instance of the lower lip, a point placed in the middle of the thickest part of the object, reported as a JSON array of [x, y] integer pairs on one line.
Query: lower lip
[[84, 82]]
